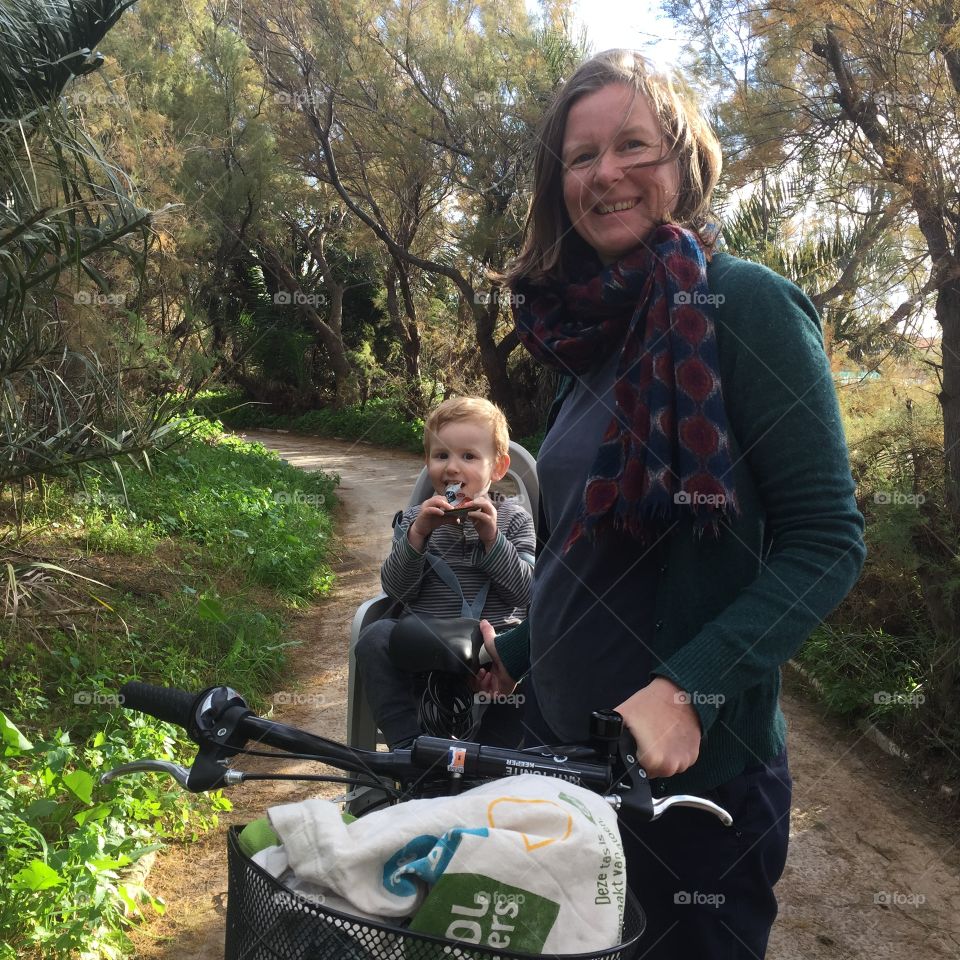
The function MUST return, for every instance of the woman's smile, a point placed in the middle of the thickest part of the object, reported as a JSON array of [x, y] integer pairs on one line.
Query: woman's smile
[[604, 209]]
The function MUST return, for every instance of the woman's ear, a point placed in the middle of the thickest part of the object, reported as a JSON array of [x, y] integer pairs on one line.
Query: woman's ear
[[500, 467]]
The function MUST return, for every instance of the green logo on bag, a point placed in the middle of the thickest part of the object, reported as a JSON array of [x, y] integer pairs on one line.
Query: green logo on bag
[[579, 805], [472, 908]]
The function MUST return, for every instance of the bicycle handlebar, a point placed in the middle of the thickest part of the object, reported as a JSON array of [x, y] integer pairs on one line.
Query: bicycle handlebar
[[166, 703], [219, 721]]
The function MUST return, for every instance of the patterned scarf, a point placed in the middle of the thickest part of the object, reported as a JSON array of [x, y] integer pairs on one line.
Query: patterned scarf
[[666, 449]]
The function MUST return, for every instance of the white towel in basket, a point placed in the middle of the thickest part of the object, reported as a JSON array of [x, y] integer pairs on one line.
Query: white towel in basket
[[526, 863]]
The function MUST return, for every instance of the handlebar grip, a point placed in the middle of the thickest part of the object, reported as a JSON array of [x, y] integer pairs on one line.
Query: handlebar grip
[[164, 703]]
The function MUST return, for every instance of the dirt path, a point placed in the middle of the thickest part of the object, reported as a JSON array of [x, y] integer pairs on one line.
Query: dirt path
[[192, 878], [873, 871]]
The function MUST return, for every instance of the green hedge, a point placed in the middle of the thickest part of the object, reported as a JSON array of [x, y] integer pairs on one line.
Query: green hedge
[[378, 421]]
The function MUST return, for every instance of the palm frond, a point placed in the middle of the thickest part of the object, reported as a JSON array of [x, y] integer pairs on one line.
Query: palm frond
[[43, 43], [64, 208]]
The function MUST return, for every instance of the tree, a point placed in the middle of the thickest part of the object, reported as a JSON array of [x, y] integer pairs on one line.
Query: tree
[[869, 94], [65, 214], [439, 101], [827, 262]]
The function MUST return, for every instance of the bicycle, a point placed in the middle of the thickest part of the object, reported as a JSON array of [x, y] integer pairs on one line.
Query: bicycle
[[266, 921]]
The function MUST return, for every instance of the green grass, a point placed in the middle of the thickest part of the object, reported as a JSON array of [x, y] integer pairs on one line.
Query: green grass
[[250, 512], [379, 421], [201, 558]]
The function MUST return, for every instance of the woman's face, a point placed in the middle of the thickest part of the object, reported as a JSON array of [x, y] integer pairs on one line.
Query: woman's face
[[607, 131]]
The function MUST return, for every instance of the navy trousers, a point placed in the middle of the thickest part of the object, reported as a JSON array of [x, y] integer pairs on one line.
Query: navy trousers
[[706, 889]]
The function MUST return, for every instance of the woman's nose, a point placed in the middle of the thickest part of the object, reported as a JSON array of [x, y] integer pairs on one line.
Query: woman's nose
[[607, 170]]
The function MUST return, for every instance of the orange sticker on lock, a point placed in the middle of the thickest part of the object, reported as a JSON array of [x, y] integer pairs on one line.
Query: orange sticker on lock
[[456, 759]]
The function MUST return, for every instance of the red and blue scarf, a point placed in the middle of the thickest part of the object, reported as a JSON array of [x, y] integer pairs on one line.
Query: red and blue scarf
[[666, 451]]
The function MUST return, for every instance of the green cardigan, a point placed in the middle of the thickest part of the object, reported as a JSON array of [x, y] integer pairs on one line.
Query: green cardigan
[[731, 610]]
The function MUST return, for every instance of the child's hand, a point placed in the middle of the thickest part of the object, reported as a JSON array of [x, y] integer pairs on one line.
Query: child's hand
[[493, 678], [484, 518], [432, 515]]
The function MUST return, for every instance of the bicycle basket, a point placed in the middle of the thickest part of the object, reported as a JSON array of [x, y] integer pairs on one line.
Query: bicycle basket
[[266, 921]]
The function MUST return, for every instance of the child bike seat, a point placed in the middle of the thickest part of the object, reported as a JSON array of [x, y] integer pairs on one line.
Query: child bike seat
[[421, 644]]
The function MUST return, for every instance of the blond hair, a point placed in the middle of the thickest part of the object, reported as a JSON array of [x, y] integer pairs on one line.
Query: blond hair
[[548, 232], [469, 408]]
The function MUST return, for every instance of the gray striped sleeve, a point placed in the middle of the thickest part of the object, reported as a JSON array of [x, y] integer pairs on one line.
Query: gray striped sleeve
[[504, 563], [402, 572]]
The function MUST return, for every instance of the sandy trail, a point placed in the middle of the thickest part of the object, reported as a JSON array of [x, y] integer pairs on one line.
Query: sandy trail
[[873, 871]]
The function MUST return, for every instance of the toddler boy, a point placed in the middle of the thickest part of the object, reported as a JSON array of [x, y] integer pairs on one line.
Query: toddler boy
[[489, 549]]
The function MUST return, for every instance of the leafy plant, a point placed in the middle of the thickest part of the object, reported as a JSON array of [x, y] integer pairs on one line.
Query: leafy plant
[[67, 841]]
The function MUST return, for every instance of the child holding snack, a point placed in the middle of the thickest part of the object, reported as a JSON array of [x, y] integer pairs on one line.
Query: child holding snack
[[486, 546]]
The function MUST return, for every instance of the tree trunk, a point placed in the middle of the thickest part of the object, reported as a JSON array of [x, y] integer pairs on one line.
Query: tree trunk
[[948, 315], [407, 331], [346, 388], [943, 600]]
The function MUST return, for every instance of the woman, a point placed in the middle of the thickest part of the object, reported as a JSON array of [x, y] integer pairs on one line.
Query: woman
[[697, 509]]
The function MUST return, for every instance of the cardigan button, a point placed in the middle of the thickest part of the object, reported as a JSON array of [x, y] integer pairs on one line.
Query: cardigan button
[[663, 569], [659, 624]]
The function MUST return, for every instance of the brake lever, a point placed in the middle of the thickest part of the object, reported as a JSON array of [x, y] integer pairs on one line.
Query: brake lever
[[698, 803], [637, 797], [207, 772], [179, 772]]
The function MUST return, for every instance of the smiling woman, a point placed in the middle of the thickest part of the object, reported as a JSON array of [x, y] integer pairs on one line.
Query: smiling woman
[[686, 547]]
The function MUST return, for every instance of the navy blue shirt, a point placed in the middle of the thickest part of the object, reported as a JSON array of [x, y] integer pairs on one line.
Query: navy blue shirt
[[592, 611]]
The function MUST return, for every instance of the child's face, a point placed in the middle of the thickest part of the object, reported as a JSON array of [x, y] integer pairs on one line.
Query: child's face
[[463, 451]]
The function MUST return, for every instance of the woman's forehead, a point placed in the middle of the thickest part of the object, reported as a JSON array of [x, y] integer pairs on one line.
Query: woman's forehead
[[615, 108]]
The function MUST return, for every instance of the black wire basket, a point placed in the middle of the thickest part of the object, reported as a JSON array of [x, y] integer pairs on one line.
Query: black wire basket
[[266, 921]]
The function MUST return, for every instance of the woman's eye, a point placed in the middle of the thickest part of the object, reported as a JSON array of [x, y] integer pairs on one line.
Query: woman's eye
[[581, 158]]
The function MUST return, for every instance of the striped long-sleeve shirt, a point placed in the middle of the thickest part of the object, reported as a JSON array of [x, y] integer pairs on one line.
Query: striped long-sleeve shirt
[[507, 565]]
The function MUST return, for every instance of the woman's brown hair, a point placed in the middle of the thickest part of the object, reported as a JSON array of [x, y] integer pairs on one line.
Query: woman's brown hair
[[548, 232]]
